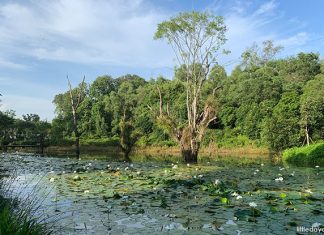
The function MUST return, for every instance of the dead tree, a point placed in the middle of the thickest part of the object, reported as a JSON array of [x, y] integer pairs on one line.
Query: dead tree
[[75, 99]]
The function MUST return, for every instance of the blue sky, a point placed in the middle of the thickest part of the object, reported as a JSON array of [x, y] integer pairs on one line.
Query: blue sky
[[42, 41]]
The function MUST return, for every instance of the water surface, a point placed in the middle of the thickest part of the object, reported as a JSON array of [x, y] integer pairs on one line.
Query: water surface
[[219, 195]]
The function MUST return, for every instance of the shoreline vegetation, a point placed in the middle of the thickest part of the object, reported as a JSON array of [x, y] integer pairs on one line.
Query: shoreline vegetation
[[210, 150], [15, 216], [306, 155]]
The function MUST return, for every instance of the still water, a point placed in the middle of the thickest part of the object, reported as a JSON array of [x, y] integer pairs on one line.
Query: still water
[[219, 195]]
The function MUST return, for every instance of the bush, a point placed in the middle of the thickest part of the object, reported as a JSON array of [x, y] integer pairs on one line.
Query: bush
[[112, 141], [62, 142], [227, 139], [307, 155]]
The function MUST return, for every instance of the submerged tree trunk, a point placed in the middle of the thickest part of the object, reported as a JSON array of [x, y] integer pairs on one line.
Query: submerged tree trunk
[[189, 145], [77, 144], [126, 153]]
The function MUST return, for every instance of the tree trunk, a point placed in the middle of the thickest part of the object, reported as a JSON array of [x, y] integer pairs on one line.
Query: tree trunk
[[189, 146], [307, 135], [77, 135], [77, 146], [189, 155], [126, 155]]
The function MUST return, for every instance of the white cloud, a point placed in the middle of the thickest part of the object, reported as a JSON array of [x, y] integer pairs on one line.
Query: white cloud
[[266, 8], [24, 104], [244, 29], [11, 65], [85, 31], [296, 40]]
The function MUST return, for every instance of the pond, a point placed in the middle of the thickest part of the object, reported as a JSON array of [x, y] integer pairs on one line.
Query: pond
[[219, 195]]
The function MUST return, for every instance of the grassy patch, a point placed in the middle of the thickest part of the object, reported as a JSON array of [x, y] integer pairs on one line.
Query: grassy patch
[[307, 155], [17, 222]]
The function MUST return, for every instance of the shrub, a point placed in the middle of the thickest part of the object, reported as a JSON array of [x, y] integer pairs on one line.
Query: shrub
[[111, 141], [307, 155]]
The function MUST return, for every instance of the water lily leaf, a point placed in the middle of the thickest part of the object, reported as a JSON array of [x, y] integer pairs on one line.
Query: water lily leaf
[[282, 195], [224, 200]]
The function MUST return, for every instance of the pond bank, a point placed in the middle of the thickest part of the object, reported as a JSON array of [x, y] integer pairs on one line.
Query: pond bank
[[210, 150]]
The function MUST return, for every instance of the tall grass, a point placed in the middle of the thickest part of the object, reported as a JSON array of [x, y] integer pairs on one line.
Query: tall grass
[[17, 212], [307, 155]]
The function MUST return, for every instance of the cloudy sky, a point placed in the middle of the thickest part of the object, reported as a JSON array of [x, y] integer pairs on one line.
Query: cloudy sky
[[43, 41]]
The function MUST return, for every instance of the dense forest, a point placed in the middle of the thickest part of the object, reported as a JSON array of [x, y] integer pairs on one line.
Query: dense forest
[[273, 103]]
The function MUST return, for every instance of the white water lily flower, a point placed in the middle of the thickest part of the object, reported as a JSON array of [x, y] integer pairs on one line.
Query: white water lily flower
[[239, 197], [253, 204], [293, 174], [117, 168], [309, 191], [234, 194], [279, 179], [262, 164], [126, 168], [317, 166], [138, 172], [188, 165], [257, 170], [217, 182], [51, 179], [254, 173], [131, 165], [86, 191], [90, 164], [200, 176], [108, 166], [175, 167], [316, 225], [74, 172], [230, 222]]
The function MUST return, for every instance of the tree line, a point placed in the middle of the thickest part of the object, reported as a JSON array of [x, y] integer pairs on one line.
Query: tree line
[[277, 103]]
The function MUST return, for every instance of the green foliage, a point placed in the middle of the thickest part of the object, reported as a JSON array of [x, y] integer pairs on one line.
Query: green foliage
[[108, 141], [16, 222], [190, 22], [312, 108], [307, 155], [282, 129]]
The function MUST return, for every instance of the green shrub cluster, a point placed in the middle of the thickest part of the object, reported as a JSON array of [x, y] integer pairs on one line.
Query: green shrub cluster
[[307, 155], [107, 141]]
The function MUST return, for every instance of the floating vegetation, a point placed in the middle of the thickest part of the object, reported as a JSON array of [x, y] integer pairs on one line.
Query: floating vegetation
[[219, 195]]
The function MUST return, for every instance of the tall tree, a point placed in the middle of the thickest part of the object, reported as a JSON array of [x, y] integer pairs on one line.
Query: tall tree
[[196, 39], [312, 109], [122, 103], [75, 99]]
